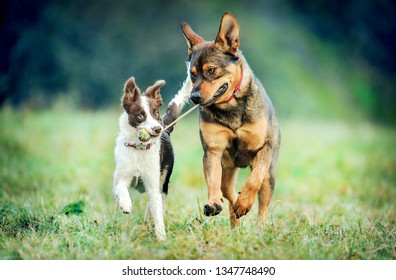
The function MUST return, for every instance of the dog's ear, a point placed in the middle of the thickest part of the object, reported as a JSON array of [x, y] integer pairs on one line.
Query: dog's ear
[[131, 94], [191, 37], [154, 92], [228, 36]]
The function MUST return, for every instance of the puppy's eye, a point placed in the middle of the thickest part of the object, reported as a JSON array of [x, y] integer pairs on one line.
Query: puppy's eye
[[156, 114], [140, 117], [211, 71]]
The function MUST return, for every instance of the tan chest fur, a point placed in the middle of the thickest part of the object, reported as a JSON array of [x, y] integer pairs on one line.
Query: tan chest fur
[[236, 148]]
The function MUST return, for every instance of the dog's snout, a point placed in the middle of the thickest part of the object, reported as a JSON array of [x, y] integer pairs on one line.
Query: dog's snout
[[196, 97], [157, 129]]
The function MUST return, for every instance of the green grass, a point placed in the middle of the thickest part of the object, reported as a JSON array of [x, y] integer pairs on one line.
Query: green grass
[[334, 199]]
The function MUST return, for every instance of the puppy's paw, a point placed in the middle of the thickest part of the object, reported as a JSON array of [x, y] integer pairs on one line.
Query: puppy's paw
[[126, 206], [213, 208]]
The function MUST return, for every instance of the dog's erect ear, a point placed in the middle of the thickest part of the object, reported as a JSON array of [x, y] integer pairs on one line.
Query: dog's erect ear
[[228, 36], [154, 92], [192, 38], [131, 94]]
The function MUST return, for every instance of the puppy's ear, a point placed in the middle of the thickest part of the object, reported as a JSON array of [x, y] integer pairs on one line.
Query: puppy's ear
[[191, 37], [228, 36], [153, 92], [131, 94]]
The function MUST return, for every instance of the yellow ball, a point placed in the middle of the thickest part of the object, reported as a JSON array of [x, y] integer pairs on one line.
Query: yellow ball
[[143, 135]]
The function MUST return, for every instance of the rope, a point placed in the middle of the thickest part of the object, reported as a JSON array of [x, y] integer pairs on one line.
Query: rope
[[182, 116]]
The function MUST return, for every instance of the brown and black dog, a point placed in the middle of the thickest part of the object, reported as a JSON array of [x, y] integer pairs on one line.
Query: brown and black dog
[[238, 126]]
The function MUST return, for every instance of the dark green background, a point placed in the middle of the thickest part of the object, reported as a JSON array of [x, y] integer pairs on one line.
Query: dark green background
[[315, 58]]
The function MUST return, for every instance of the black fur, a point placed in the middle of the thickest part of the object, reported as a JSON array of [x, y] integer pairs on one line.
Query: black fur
[[167, 156], [167, 159]]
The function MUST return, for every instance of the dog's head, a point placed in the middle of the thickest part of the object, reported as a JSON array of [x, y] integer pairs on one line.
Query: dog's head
[[143, 109], [214, 67]]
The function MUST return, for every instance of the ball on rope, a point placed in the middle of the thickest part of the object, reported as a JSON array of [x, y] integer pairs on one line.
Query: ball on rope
[[143, 135]]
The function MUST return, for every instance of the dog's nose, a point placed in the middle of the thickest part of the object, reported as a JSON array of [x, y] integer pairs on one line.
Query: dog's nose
[[157, 130], [196, 97]]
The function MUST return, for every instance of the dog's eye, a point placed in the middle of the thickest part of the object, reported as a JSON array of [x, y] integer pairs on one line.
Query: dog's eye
[[211, 71], [193, 77], [140, 117]]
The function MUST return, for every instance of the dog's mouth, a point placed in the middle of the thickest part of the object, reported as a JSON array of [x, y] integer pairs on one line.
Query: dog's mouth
[[145, 135], [223, 89], [154, 134]]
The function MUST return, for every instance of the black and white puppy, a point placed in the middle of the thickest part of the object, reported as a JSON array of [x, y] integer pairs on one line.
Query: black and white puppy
[[146, 166]]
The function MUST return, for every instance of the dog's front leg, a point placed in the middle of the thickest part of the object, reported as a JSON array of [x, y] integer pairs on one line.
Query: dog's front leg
[[155, 204], [122, 180], [215, 138], [147, 214], [213, 171], [254, 182]]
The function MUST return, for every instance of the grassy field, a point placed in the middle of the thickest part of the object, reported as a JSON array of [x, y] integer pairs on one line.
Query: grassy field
[[334, 199]]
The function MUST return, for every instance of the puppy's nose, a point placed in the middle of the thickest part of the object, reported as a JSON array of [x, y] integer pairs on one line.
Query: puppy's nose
[[196, 97], [157, 130]]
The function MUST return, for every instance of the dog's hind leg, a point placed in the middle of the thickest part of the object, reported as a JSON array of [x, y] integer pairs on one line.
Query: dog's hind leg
[[228, 180], [264, 198], [268, 186]]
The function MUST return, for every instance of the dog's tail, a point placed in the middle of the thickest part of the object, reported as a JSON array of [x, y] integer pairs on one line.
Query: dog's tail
[[177, 103]]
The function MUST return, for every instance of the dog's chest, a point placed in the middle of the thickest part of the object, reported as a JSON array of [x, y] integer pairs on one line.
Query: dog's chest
[[243, 148], [138, 161]]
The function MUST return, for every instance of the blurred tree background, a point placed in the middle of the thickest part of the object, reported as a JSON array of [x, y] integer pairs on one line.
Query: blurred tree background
[[323, 59]]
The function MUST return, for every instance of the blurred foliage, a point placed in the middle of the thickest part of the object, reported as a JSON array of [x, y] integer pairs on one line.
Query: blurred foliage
[[75, 208], [315, 58]]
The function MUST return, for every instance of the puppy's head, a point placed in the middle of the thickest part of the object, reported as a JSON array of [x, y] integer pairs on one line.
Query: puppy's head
[[143, 108], [214, 67]]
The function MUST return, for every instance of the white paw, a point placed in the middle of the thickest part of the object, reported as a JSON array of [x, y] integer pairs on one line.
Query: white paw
[[125, 206]]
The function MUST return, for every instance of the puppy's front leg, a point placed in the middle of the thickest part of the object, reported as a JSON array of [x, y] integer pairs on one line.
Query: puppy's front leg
[[155, 204], [122, 181]]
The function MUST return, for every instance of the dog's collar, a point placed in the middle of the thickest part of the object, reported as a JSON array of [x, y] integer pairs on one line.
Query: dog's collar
[[139, 146], [239, 83], [235, 90]]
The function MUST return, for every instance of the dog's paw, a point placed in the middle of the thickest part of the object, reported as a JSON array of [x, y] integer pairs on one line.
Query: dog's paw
[[213, 209], [126, 207], [243, 205]]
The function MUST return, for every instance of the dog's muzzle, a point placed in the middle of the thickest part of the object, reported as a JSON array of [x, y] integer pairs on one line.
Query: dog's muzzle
[[196, 97], [156, 131]]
